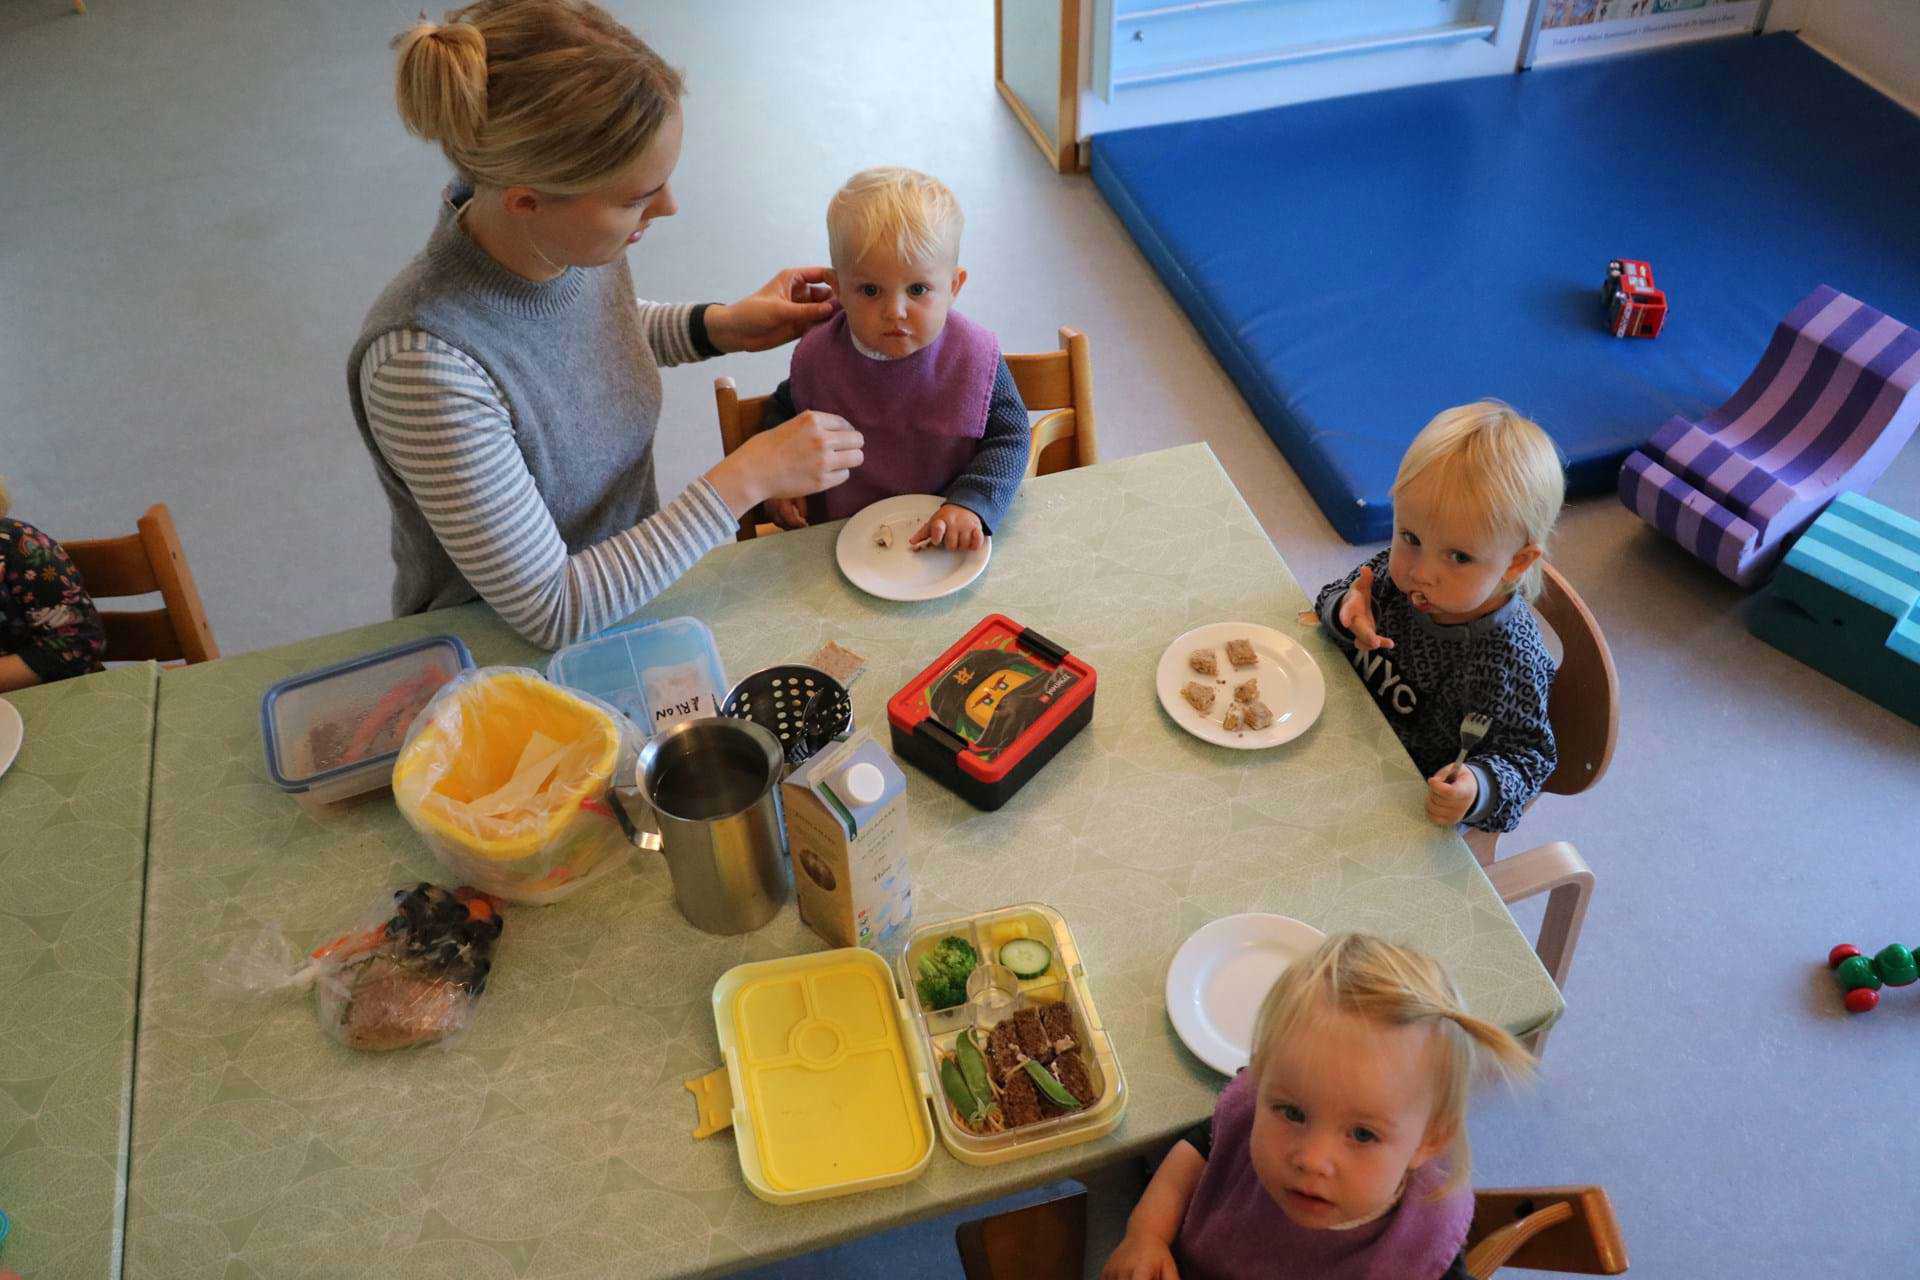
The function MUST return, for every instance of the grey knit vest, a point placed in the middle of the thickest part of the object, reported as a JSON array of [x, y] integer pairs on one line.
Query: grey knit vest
[[574, 369]]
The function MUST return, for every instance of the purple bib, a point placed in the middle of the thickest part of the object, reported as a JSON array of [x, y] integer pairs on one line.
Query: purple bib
[[1233, 1230], [923, 415]]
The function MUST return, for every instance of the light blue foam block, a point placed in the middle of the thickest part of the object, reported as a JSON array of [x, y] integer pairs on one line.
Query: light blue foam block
[[1846, 602]]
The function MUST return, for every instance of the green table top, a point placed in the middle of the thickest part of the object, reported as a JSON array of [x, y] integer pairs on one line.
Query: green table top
[[553, 1140], [73, 838]]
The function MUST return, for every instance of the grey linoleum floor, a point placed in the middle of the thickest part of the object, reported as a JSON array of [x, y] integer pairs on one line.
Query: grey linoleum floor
[[199, 198]]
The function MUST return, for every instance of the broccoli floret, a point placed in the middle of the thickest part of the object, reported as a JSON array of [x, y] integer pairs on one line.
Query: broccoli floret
[[943, 972]]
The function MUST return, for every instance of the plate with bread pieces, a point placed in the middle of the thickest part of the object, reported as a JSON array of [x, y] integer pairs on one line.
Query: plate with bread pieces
[[1241, 685]]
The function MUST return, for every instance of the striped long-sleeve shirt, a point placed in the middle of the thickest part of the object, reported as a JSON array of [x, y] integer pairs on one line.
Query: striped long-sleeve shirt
[[443, 425]]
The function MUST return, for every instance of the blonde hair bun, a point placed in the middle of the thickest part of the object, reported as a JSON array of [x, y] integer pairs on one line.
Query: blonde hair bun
[[441, 81], [550, 94]]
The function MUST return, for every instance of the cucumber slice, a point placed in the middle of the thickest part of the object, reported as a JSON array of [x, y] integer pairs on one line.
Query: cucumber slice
[[1027, 957]]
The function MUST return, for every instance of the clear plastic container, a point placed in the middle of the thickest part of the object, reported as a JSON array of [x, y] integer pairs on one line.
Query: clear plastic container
[[654, 673], [996, 994], [333, 734]]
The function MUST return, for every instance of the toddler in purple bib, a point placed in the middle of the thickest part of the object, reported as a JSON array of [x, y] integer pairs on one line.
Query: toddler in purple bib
[[926, 387], [1340, 1153]]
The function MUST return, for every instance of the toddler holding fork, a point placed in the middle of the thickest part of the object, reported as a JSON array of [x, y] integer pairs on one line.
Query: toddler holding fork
[[1438, 626]]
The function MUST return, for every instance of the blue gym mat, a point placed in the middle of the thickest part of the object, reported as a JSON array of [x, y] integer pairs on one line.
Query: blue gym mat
[[1360, 263]]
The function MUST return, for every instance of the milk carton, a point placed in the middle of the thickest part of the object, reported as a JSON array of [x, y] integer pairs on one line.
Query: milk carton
[[846, 813]]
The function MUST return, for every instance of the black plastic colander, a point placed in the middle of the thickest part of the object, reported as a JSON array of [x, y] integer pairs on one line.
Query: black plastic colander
[[802, 706]]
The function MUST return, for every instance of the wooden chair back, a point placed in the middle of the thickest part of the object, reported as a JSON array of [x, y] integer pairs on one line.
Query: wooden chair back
[[1584, 706], [138, 564], [741, 419], [1570, 1230], [1058, 384]]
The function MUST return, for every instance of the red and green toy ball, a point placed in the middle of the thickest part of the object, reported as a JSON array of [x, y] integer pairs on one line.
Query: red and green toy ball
[[1861, 978]]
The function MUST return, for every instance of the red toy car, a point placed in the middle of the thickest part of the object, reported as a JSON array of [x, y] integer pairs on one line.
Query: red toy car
[[1635, 309]]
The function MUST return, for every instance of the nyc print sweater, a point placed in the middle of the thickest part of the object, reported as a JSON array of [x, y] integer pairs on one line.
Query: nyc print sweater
[[1436, 674]]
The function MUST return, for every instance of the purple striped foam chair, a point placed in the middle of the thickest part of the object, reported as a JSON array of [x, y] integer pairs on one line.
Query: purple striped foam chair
[[1830, 404]]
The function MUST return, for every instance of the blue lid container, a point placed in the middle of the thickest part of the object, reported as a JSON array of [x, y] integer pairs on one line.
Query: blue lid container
[[334, 733], [655, 673]]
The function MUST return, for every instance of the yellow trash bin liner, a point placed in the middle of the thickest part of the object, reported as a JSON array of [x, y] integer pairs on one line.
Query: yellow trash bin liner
[[508, 778]]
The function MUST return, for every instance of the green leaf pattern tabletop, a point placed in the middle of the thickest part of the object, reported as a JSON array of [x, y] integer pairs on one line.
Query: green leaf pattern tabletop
[[73, 836], [553, 1139]]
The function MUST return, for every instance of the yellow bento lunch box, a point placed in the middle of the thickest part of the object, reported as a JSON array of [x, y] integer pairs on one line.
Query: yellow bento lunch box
[[830, 1073]]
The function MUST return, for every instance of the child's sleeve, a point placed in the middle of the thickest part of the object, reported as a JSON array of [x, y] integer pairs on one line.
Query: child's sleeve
[[987, 486], [1327, 603], [1518, 755], [781, 402]]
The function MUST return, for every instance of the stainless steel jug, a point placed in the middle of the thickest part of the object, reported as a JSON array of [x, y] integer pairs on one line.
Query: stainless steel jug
[[714, 786]]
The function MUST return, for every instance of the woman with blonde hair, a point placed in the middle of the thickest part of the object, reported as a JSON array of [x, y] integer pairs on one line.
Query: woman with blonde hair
[[507, 381], [49, 629]]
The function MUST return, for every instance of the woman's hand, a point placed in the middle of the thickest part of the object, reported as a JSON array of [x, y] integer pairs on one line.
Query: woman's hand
[[802, 455], [775, 314]]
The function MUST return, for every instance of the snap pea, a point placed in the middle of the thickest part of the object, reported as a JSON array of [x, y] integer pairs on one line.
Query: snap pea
[[973, 1067], [957, 1091], [1056, 1092]]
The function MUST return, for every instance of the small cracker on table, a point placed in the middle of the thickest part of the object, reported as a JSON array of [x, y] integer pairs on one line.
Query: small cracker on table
[[1204, 661], [1240, 653], [842, 664], [1198, 696], [1259, 715], [1248, 690], [1232, 721]]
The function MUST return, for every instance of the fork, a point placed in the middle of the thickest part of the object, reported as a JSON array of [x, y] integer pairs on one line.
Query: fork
[[1472, 730]]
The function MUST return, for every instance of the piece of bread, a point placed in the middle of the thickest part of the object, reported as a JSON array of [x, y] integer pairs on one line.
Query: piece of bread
[[394, 1006], [1232, 723], [1200, 696], [1240, 653], [1204, 661], [1247, 691], [1259, 715]]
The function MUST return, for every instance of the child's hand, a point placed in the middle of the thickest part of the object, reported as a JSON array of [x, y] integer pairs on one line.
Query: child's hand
[[955, 528], [1356, 614], [788, 513], [1449, 802], [1140, 1257]]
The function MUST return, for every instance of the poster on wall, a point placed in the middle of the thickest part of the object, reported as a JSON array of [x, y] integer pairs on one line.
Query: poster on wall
[[1571, 29]]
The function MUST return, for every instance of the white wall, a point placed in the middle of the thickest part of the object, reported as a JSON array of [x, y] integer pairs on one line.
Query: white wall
[[1878, 40], [1329, 77]]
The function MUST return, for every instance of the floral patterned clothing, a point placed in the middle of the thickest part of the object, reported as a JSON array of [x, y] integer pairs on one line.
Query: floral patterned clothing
[[46, 616]]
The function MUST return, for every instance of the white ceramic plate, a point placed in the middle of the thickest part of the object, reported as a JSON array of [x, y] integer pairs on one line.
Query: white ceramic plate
[[12, 731], [1222, 973], [1290, 684], [898, 572]]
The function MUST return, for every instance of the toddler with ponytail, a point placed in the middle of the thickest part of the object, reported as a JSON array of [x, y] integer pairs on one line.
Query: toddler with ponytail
[[1341, 1151]]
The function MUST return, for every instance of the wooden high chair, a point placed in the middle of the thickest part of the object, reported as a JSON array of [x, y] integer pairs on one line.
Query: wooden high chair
[[1058, 384], [1584, 710], [147, 561], [1569, 1230]]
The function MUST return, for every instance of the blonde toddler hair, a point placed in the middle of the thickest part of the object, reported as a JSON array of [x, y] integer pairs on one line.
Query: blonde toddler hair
[[1394, 986], [6, 499], [1494, 467], [550, 94], [913, 215]]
